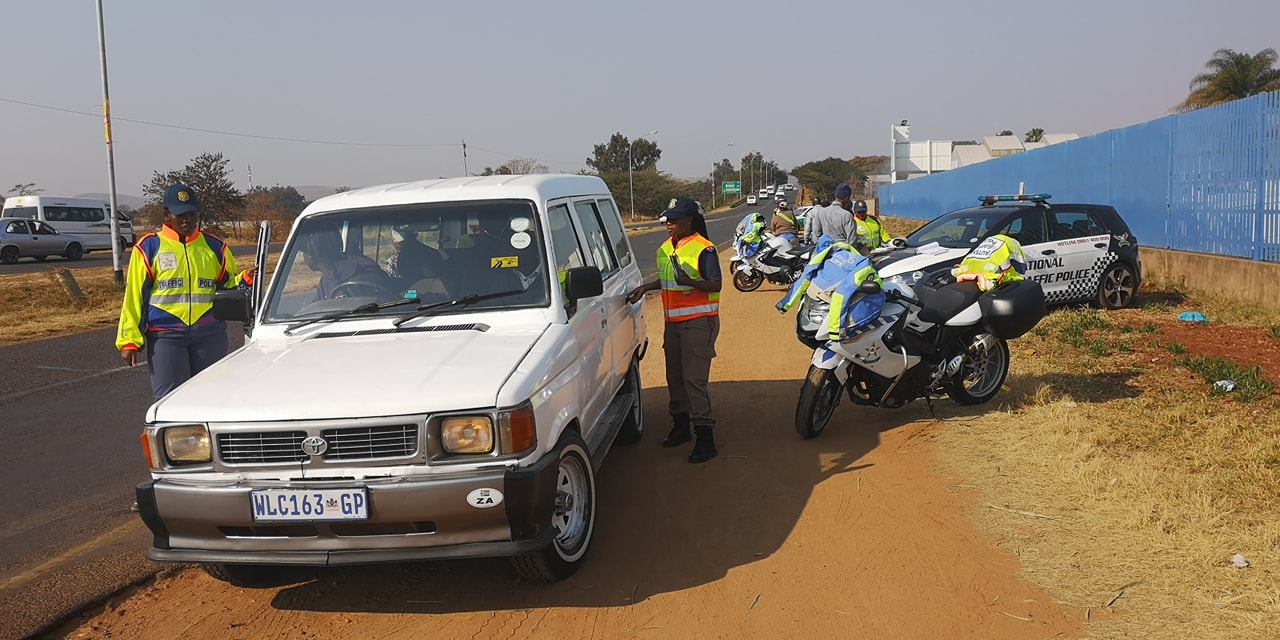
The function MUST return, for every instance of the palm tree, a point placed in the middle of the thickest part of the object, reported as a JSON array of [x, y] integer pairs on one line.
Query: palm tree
[[1035, 135], [1232, 76]]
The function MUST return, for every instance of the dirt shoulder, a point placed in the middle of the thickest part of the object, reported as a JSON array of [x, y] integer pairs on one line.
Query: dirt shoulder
[[854, 534]]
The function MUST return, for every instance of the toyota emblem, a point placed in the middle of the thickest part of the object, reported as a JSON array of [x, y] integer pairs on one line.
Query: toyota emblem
[[314, 446]]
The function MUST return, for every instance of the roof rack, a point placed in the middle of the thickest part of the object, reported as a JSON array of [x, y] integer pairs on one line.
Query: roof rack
[[1022, 197]]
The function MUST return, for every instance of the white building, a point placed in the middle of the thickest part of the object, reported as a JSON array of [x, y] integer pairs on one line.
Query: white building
[[915, 159]]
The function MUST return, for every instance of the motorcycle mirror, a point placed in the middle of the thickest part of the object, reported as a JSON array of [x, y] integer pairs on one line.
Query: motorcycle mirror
[[869, 287]]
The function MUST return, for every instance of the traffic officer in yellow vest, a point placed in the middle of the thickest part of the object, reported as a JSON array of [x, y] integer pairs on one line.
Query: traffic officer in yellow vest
[[168, 298], [690, 280], [996, 260], [871, 234]]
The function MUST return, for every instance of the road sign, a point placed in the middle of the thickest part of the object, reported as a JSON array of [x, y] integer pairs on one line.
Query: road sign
[[731, 188]]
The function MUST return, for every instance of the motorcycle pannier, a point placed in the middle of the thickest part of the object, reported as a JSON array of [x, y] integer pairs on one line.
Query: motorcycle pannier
[[1012, 309]]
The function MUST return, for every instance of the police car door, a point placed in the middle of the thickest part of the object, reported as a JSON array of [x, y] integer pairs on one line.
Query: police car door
[[1080, 244], [1030, 230]]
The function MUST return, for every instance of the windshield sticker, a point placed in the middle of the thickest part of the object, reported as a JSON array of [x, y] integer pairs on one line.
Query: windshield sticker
[[506, 262], [521, 240], [167, 261], [519, 224]]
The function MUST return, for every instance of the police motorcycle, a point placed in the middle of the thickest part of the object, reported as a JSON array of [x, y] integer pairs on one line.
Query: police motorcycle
[[759, 255], [885, 343]]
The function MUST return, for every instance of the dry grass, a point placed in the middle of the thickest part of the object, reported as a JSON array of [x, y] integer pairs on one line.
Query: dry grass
[[1153, 484], [34, 305]]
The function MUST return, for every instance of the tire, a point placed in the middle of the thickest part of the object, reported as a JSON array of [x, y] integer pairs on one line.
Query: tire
[[9, 255], [75, 251], [819, 397], [633, 426], [574, 517], [744, 281], [1117, 288], [981, 374], [246, 575]]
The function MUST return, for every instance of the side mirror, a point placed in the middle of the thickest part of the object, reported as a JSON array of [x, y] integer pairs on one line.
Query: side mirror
[[869, 287], [583, 282], [231, 304]]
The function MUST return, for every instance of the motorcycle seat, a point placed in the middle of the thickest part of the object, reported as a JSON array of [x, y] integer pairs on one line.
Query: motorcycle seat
[[948, 301]]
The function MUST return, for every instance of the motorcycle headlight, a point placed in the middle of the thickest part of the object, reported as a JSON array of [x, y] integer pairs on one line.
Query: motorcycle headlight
[[815, 312]]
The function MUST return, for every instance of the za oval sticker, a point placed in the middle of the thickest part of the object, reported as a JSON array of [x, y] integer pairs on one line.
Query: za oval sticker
[[484, 498]]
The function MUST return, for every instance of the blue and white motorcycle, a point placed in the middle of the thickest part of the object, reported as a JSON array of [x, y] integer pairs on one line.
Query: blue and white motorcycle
[[889, 343]]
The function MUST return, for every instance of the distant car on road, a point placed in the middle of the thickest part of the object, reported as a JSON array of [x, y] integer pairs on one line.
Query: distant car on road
[[22, 238], [752, 200], [1077, 252]]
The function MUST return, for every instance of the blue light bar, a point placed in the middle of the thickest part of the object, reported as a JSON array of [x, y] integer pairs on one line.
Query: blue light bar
[[1022, 197]]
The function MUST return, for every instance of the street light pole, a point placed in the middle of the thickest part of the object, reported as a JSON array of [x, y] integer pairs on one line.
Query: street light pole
[[713, 172], [630, 181], [116, 248]]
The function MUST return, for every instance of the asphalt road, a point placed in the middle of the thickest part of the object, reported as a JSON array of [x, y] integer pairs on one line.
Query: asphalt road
[[72, 415]]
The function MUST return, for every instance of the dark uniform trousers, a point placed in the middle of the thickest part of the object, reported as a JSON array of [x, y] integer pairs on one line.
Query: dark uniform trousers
[[689, 347]]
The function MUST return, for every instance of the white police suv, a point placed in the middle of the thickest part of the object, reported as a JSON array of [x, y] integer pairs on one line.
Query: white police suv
[[1077, 252]]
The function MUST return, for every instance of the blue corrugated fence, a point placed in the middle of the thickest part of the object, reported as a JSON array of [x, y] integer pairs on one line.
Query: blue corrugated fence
[[1207, 181]]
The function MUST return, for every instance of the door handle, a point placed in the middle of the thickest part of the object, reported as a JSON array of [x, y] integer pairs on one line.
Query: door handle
[[604, 322], [1047, 252], [1100, 245]]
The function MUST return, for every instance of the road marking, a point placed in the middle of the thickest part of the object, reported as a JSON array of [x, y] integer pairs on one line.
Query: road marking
[[19, 394], [74, 552], [60, 369]]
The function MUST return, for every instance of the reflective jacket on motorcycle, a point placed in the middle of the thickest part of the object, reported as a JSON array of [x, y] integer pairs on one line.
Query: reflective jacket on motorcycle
[[838, 267], [995, 260]]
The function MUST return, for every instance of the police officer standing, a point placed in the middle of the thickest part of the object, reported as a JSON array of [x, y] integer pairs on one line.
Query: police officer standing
[[833, 220], [168, 298], [690, 280], [870, 233]]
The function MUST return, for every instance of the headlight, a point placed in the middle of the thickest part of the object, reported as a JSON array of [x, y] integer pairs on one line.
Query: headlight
[[467, 434], [815, 311], [187, 444]]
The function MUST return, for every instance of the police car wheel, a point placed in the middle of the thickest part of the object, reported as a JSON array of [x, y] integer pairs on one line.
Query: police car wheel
[[1117, 288]]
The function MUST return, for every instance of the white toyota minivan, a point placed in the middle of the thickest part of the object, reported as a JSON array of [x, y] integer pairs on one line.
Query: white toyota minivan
[[436, 371], [84, 217]]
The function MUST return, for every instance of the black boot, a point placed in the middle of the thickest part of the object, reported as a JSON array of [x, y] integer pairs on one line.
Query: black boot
[[679, 432], [704, 448]]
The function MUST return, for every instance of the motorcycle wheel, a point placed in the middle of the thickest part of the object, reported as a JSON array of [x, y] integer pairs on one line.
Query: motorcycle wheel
[[747, 281], [982, 373], [819, 398]]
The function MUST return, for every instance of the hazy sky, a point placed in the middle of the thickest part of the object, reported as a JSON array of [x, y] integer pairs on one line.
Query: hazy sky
[[798, 81]]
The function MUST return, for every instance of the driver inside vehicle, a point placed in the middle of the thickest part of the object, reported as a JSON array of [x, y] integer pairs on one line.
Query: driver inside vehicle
[[342, 273]]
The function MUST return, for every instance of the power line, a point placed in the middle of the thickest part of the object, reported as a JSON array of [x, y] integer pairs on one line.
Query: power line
[[464, 145], [230, 133]]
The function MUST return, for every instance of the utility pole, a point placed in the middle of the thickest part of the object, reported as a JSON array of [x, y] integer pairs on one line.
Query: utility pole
[[116, 249]]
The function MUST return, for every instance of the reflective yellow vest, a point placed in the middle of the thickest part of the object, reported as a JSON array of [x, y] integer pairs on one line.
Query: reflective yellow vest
[[995, 260], [680, 303], [871, 233], [171, 283]]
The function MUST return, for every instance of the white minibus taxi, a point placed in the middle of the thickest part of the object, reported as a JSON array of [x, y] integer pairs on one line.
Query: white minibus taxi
[[84, 217]]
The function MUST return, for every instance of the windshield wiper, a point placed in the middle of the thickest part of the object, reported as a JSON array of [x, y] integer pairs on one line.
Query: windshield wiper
[[430, 309], [363, 309]]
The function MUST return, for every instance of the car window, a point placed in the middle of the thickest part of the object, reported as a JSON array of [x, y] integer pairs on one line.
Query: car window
[[21, 212], [617, 235], [17, 226], [564, 241], [40, 228], [597, 243], [1027, 228], [959, 229], [1075, 224]]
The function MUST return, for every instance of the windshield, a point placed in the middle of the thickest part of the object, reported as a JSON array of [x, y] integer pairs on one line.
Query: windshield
[[962, 229], [427, 253]]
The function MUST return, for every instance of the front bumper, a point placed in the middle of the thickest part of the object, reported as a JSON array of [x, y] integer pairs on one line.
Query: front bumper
[[418, 518]]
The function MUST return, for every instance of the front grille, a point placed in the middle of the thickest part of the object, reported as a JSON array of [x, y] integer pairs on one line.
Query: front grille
[[348, 443], [259, 448], [390, 441]]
